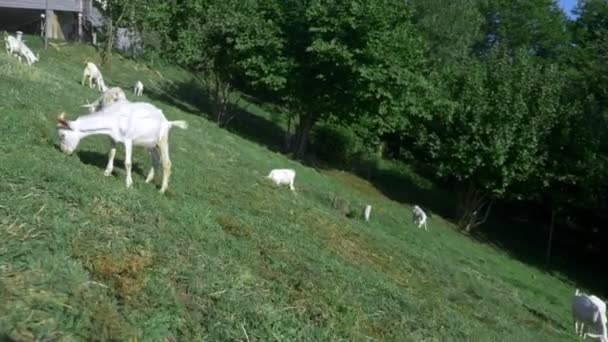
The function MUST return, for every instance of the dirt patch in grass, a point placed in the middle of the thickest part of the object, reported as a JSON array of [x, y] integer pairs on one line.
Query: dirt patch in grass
[[125, 272], [234, 226]]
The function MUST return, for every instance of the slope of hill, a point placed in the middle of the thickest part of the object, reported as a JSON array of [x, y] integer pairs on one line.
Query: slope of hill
[[224, 255]]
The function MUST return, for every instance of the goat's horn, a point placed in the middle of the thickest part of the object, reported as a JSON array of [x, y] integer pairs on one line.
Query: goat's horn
[[62, 121]]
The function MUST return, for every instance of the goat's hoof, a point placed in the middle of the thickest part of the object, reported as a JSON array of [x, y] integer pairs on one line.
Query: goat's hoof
[[107, 173]]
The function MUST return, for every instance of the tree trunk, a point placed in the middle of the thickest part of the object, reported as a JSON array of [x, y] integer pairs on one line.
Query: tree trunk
[[550, 242], [107, 53], [472, 201], [303, 129]]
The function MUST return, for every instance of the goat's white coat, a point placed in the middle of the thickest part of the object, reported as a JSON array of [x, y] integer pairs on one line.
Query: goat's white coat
[[419, 217], [590, 311], [283, 176], [92, 73], [138, 89], [367, 212], [16, 46], [129, 123]]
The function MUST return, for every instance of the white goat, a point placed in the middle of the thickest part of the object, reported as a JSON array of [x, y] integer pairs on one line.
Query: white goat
[[283, 176], [91, 72], [16, 46], [138, 89], [12, 46], [589, 310], [419, 217], [367, 212], [129, 123], [25, 51], [108, 97]]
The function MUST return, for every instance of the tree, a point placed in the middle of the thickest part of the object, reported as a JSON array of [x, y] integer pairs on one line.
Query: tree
[[495, 137], [229, 41], [539, 26], [348, 60], [451, 28]]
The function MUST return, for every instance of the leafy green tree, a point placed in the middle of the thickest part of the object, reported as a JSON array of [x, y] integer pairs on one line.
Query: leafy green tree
[[540, 26], [229, 41], [505, 108], [349, 59]]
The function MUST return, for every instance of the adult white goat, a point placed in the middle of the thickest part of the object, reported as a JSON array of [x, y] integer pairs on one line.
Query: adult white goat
[[129, 123], [590, 311], [283, 176], [419, 217], [12, 46], [138, 89], [92, 73]]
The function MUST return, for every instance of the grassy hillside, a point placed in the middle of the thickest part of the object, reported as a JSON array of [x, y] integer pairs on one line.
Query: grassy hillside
[[224, 255]]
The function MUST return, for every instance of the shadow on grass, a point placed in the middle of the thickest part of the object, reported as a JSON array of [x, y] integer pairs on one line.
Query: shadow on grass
[[100, 160], [526, 243], [191, 97]]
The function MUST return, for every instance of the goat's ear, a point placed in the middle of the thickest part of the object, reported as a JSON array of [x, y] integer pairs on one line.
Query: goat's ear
[[62, 122]]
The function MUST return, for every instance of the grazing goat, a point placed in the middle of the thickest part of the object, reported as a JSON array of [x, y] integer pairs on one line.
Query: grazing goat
[[91, 72], [138, 89], [108, 97], [419, 217], [13, 46], [589, 311], [16, 46], [283, 176], [129, 123]]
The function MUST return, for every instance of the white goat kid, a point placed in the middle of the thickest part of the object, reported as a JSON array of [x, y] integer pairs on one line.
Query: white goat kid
[[92, 73], [283, 177], [29, 56], [138, 89], [129, 123], [419, 217], [108, 97], [589, 311]]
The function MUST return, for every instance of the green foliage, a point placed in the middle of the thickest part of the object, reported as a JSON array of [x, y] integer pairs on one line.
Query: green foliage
[[349, 60], [335, 145], [505, 110]]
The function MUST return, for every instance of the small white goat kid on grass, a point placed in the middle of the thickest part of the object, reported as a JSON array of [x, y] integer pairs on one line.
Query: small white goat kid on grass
[[419, 217], [92, 73], [138, 89], [108, 97], [283, 177], [129, 123], [589, 311]]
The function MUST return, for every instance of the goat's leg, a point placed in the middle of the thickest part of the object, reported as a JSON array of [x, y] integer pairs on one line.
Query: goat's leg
[[110, 165], [291, 186], [164, 156], [84, 76], [128, 154], [155, 164]]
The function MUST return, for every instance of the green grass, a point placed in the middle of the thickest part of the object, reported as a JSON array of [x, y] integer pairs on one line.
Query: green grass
[[224, 255]]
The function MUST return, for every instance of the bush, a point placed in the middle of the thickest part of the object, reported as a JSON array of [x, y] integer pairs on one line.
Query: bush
[[335, 145]]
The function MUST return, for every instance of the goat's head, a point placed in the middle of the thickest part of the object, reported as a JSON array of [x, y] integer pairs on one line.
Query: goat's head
[[69, 138]]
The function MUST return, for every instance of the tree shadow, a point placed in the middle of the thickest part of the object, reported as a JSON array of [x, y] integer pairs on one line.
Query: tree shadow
[[192, 97], [528, 241]]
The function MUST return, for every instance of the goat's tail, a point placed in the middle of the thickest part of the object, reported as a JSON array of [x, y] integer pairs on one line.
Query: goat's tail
[[577, 292], [179, 123]]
